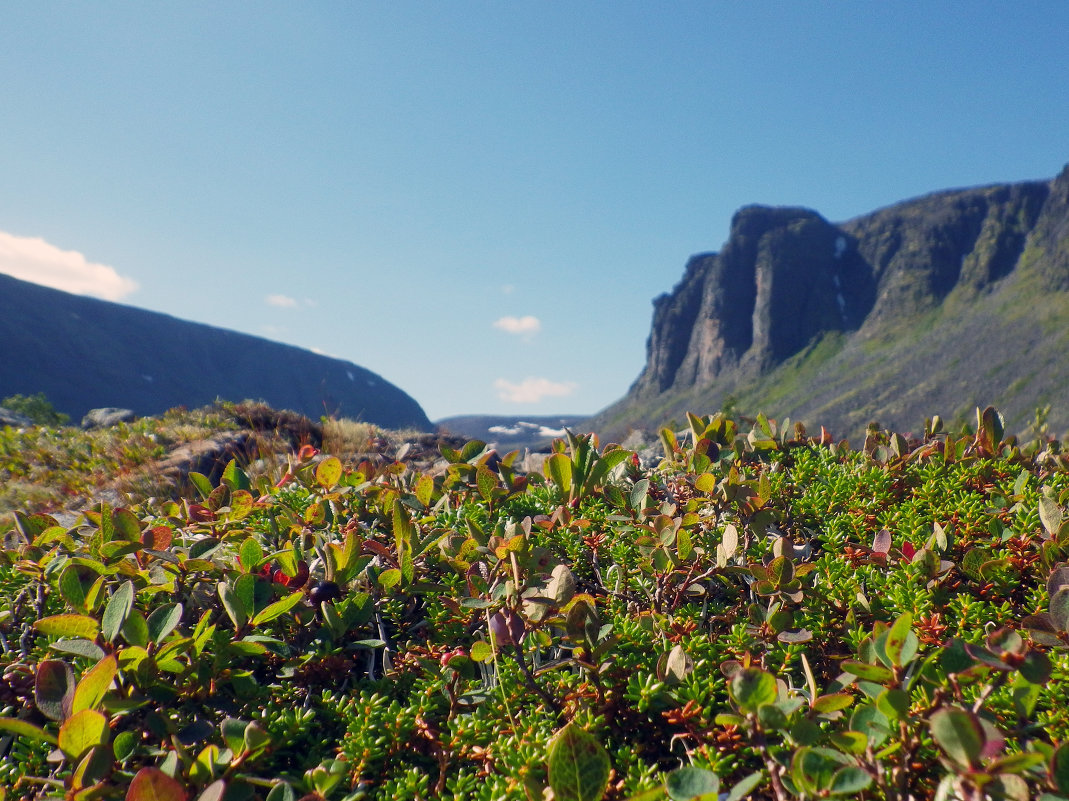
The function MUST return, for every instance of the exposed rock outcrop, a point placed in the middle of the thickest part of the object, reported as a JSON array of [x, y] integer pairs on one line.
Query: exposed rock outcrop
[[106, 417], [787, 279], [13, 419]]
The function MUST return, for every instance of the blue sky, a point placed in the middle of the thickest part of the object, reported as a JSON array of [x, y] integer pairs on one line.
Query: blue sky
[[479, 200]]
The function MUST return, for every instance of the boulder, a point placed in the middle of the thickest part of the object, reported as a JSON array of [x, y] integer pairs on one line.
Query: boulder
[[13, 419], [107, 417]]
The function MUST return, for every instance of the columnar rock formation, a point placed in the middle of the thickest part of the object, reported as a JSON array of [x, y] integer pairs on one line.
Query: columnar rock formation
[[787, 279]]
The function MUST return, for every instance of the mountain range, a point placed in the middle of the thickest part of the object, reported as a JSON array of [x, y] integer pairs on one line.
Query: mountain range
[[934, 305], [85, 353]]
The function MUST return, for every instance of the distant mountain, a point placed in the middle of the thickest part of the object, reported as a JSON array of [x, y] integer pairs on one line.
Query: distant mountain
[[932, 306], [85, 353], [513, 433]]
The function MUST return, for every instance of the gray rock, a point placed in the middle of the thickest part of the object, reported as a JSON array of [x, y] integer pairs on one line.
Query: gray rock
[[13, 419], [107, 417]]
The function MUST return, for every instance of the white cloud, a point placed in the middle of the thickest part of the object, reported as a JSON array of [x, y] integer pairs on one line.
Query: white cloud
[[282, 301], [33, 259], [286, 302], [526, 326], [532, 390]]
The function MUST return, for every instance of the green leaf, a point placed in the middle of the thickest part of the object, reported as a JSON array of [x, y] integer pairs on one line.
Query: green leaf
[[691, 783], [201, 483], [53, 690], [849, 780], [871, 722], [684, 547], [1059, 768], [79, 647], [814, 769], [852, 742], [329, 472], [255, 738], [832, 702], [705, 483], [124, 744], [894, 703], [745, 787], [152, 784], [486, 482], [481, 651], [960, 735], [162, 622], [1059, 609], [404, 534], [25, 729], [752, 688], [93, 685], [116, 611], [677, 665], [899, 647], [1050, 515], [70, 587], [637, 498], [1036, 667], [251, 553], [126, 525], [280, 607], [389, 578], [780, 570], [69, 626], [471, 449], [863, 670], [558, 468], [578, 765], [81, 731], [232, 604], [561, 585], [233, 731], [135, 629], [236, 478]]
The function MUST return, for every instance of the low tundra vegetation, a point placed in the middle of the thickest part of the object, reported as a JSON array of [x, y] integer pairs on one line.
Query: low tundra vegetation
[[755, 613]]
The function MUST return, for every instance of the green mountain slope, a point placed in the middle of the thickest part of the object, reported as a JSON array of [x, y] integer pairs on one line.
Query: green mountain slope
[[936, 305]]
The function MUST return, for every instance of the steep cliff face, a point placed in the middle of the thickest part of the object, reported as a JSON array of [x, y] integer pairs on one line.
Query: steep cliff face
[[85, 353], [787, 279]]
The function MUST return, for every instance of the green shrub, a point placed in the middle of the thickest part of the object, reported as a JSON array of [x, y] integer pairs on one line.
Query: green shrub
[[762, 614], [37, 408]]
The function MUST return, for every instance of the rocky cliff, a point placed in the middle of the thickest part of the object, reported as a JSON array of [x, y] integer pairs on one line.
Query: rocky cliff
[[85, 353], [814, 317]]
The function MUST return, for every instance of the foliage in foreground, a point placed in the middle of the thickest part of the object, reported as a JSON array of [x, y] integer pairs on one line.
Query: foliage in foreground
[[761, 614]]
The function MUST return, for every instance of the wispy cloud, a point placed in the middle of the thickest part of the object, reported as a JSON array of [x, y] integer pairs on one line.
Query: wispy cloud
[[524, 326], [532, 390], [286, 302], [281, 301], [34, 259]]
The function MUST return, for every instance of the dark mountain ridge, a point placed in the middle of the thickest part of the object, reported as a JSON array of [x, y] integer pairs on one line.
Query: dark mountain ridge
[[929, 306], [85, 353]]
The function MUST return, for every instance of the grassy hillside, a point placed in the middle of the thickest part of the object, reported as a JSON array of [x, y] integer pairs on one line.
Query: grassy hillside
[[757, 614], [896, 372]]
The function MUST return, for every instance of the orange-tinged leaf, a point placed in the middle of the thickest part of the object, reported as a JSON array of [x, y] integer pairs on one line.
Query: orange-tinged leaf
[[82, 731], [94, 684], [152, 784], [69, 626], [328, 472]]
